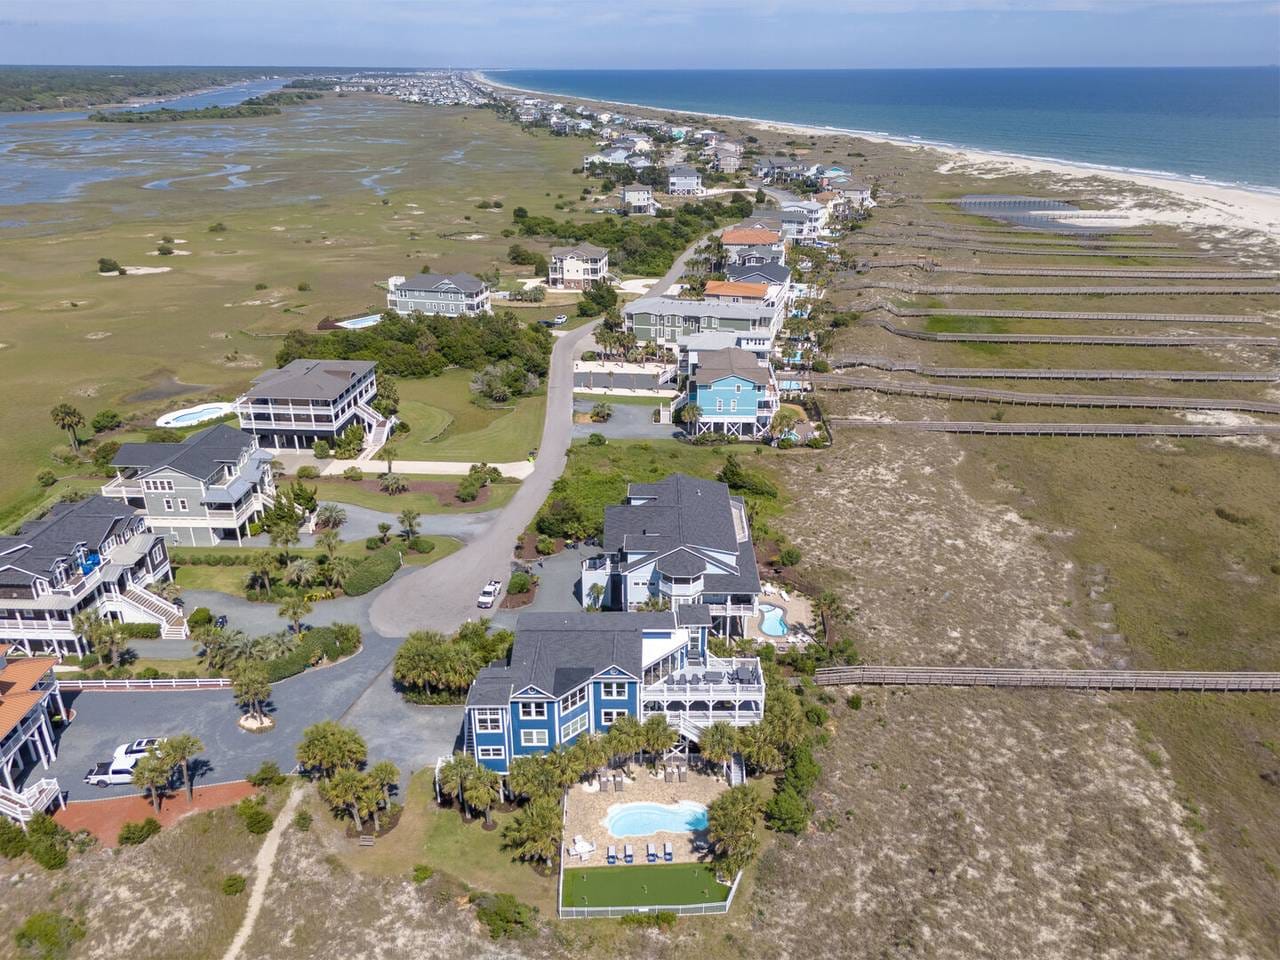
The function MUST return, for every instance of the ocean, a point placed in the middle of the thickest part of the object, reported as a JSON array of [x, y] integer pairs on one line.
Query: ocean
[[1216, 124]]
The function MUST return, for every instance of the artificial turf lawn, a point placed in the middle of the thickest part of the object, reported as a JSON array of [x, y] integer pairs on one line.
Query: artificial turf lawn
[[642, 885]]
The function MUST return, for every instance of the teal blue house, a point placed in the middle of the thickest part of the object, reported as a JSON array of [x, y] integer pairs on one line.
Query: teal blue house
[[735, 393]]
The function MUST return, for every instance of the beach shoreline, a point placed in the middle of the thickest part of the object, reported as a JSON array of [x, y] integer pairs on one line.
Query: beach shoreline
[[1206, 204]]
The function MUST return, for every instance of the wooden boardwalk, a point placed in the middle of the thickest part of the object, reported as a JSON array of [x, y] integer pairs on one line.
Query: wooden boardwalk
[[1137, 291], [1067, 315], [1124, 253], [1029, 373], [1111, 273], [1190, 681], [1085, 340], [1015, 398], [997, 429]]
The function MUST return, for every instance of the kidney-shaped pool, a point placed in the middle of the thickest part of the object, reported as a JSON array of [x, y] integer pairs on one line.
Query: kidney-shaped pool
[[643, 819]]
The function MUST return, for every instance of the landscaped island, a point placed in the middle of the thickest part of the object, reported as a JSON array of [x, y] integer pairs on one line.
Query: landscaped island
[[266, 105]]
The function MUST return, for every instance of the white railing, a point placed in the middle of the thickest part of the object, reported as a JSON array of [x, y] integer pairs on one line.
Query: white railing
[[712, 691], [24, 804], [11, 625], [193, 683]]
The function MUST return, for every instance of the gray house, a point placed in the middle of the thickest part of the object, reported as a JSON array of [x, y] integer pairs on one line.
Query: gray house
[[684, 180], [678, 541], [94, 556], [434, 293], [309, 400], [666, 319], [200, 492]]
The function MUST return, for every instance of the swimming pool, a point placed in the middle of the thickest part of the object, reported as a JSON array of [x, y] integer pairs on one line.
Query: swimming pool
[[772, 623], [642, 819], [359, 323], [192, 415]]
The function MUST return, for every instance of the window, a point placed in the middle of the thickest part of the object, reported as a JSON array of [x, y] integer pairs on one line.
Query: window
[[573, 727], [613, 691], [737, 388], [157, 552], [168, 503], [608, 716], [490, 753], [533, 738], [733, 406], [719, 405], [533, 711], [575, 699], [182, 505], [157, 486], [488, 721]]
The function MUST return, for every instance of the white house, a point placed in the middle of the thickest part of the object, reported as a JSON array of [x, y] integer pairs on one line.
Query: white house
[[29, 694], [577, 267], [684, 181], [435, 293], [804, 220], [309, 400], [753, 246], [637, 200]]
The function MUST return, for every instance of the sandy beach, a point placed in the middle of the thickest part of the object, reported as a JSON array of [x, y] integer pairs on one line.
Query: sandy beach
[[1176, 201]]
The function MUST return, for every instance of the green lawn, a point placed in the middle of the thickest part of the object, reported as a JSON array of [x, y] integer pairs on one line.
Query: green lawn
[[343, 491], [446, 425], [642, 885]]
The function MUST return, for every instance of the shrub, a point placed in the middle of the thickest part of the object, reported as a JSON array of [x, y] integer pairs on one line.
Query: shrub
[[308, 472], [545, 546], [48, 934], [520, 582], [164, 249], [13, 839], [373, 571], [596, 440], [422, 873], [854, 701], [267, 775], [302, 821], [141, 631], [133, 834], [663, 919], [504, 915], [353, 473], [46, 478], [260, 286], [49, 852], [256, 819], [303, 287], [321, 450], [233, 885], [787, 811], [90, 660], [421, 545], [788, 557], [218, 227], [107, 265], [373, 543], [200, 617], [816, 715], [105, 420]]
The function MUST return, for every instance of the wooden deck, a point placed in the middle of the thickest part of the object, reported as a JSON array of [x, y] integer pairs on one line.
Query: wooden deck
[[1190, 681], [1083, 340], [1070, 315], [916, 289], [1031, 373], [995, 428]]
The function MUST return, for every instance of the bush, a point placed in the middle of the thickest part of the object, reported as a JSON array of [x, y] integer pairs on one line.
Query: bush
[[46, 478], [303, 287], [353, 473], [105, 420], [788, 557], [233, 885], [545, 546], [200, 617], [596, 440], [260, 286], [421, 545], [373, 571], [816, 715], [854, 701], [321, 450], [267, 775], [520, 582], [308, 472], [504, 915], [48, 934], [422, 873], [13, 839], [218, 227], [256, 819], [787, 811], [302, 820], [133, 834], [107, 265], [141, 631], [48, 852], [662, 919]]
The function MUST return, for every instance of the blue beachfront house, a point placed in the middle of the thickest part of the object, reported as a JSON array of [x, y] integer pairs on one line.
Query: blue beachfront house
[[736, 394], [574, 673]]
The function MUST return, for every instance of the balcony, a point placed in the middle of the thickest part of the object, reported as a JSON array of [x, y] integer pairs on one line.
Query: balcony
[[122, 488], [601, 563], [734, 679]]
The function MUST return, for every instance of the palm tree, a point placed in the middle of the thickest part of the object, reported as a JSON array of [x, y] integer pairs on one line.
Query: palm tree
[[284, 534], [330, 516], [109, 637], [657, 736], [409, 522], [90, 628], [272, 645], [301, 572], [370, 798], [392, 483], [251, 688], [239, 647], [453, 775], [690, 414], [152, 773], [596, 595], [345, 791], [534, 832], [329, 541], [624, 738], [783, 421], [328, 746], [590, 752], [718, 743], [758, 749], [294, 609], [533, 777], [68, 418], [732, 820], [179, 751], [481, 789], [338, 570], [566, 766], [384, 532], [386, 774], [389, 454], [259, 579]]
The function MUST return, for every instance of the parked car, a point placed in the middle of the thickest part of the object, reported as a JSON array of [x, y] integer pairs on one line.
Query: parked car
[[489, 595], [220, 621], [306, 627], [137, 747], [111, 772], [559, 319]]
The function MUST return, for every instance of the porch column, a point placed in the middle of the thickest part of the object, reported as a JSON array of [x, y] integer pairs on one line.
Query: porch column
[[62, 709], [8, 778], [39, 747], [45, 732]]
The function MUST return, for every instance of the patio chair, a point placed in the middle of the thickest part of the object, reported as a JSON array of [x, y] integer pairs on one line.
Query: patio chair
[[667, 853], [651, 853], [683, 774], [743, 674], [628, 854], [714, 676], [611, 855], [668, 775], [619, 783]]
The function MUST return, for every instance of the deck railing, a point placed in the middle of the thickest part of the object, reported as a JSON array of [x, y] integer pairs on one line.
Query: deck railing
[[134, 685]]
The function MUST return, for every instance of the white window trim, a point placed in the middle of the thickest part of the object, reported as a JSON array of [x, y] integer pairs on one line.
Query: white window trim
[[574, 727], [533, 738], [573, 700], [168, 504], [536, 710], [490, 753], [608, 686], [607, 717], [488, 721], [182, 504]]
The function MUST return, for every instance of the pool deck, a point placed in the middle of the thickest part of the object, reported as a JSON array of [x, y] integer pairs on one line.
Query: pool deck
[[587, 807], [797, 610]]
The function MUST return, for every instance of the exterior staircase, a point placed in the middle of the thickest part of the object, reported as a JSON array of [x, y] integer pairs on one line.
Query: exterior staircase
[[377, 435], [737, 771], [21, 805], [173, 623]]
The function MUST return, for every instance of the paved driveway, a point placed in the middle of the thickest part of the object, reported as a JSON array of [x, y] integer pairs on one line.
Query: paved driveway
[[630, 421]]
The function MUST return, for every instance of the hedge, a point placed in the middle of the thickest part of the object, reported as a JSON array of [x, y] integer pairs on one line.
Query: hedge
[[141, 631], [322, 643], [373, 571]]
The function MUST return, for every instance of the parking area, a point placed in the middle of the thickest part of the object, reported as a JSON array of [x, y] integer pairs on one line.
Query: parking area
[[630, 421]]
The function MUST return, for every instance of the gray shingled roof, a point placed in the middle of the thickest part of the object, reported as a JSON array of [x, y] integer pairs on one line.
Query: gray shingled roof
[[681, 511], [676, 307], [683, 170], [41, 543], [557, 652], [583, 251], [441, 283], [309, 379], [768, 272], [201, 455], [732, 362]]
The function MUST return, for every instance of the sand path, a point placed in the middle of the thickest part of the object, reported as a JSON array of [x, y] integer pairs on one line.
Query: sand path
[[263, 865]]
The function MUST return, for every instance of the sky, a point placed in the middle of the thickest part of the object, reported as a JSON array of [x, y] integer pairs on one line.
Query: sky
[[653, 34]]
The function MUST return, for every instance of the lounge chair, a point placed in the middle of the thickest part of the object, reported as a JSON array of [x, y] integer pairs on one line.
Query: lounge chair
[[604, 784], [668, 775], [651, 853], [628, 854], [684, 774], [611, 855], [667, 854], [619, 783]]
